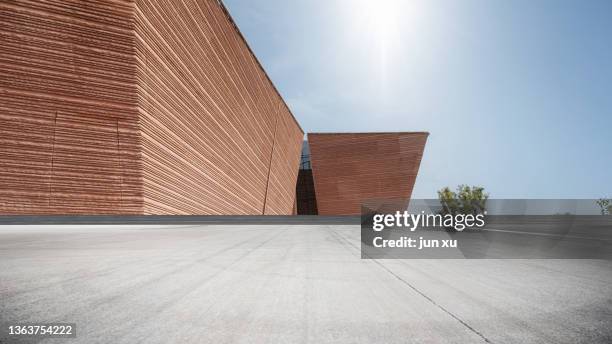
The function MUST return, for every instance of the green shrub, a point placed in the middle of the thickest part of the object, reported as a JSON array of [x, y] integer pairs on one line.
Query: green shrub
[[606, 205], [466, 200]]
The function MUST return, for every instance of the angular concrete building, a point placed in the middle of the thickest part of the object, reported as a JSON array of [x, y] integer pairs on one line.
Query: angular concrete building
[[160, 107]]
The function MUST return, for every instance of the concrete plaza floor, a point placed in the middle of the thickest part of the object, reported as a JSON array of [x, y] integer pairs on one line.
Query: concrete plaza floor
[[286, 284]]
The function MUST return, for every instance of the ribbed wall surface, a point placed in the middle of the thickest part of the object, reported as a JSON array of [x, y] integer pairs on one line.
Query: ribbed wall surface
[[155, 107], [280, 195], [208, 116], [69, 139], [349, 169]]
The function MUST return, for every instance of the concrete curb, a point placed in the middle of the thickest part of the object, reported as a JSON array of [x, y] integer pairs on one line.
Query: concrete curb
[[174, 219]]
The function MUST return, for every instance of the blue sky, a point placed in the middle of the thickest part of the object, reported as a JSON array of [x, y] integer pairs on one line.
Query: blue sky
[[516, 95]]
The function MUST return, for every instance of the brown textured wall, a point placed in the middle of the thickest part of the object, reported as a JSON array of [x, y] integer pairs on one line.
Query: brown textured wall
[[209, 116], [69, 139], [354, 167], [155, 107], [285, 159]]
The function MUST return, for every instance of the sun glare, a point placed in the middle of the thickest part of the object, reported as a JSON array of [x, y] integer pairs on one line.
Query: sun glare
[[377, 25]]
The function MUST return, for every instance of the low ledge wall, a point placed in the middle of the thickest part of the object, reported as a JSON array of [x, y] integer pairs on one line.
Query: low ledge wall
[[174, 219]]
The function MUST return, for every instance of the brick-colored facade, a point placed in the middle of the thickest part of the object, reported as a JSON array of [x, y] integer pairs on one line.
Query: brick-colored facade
[[352, 168], [138, 107], [160, 107], [217, 137], [69, 135]]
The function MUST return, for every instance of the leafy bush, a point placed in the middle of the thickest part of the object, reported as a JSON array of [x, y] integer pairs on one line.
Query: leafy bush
[[606, 205], [466, 200]]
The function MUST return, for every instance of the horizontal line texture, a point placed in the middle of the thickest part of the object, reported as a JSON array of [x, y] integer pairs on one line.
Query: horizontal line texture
[[209, 116], [138, 107], [350, 169], [69, 137]]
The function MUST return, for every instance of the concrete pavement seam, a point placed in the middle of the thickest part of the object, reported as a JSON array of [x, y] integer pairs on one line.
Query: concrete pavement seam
[[478, 333]]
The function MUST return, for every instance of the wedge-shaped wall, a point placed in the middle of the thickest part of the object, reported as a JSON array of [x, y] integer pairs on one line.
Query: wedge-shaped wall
[[154, 107], [349, 169]]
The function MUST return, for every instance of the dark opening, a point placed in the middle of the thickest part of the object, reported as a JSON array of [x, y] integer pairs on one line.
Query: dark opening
[[305, 191]]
